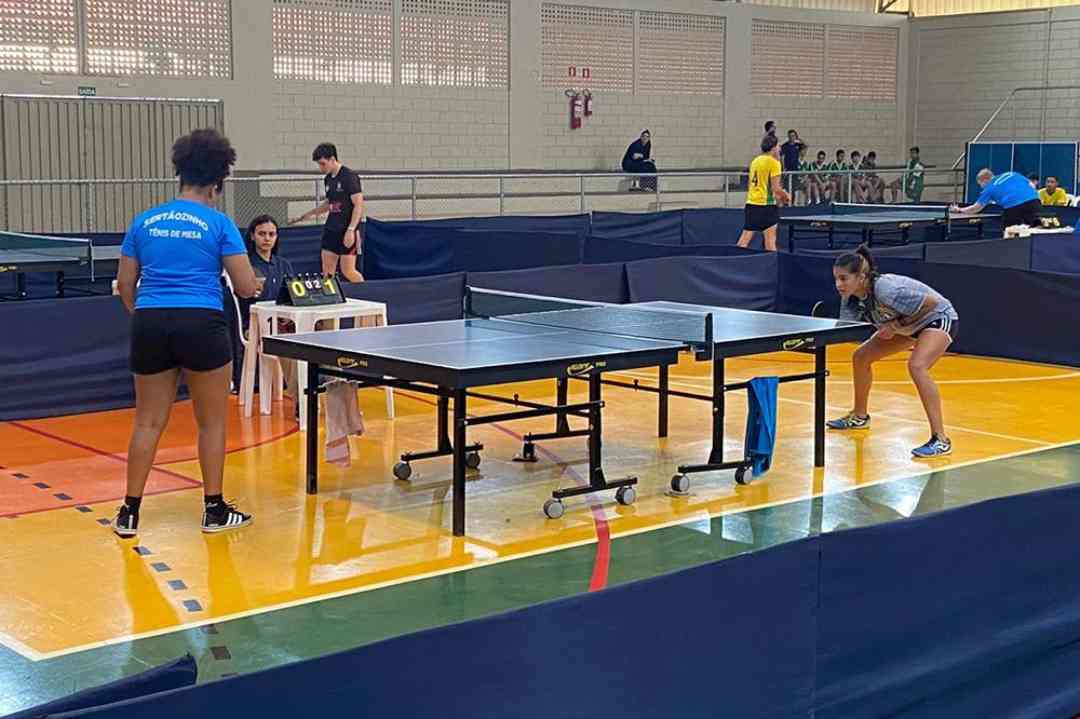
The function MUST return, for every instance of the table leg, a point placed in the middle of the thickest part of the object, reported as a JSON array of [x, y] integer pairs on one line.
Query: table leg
[[303, 373], [662, 410], [251, 361], [460, 400], [311, 401], [819, 406]]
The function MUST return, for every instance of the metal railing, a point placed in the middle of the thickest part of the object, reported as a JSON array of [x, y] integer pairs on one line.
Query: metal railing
[[107, 205]]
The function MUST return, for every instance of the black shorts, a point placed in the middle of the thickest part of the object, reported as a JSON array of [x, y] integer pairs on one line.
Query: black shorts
[[950, 327], [187, 337], [1025, 214], [760, 217], [333, 240]]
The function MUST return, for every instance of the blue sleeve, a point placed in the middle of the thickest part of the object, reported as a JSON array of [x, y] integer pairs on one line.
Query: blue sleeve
[[128, 248], [987, 195], [231, 241]]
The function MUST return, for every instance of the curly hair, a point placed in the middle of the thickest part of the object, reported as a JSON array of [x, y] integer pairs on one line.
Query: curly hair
[[203, 158]]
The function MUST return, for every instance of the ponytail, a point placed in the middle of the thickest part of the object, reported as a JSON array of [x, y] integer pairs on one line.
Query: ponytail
[[859, 262]]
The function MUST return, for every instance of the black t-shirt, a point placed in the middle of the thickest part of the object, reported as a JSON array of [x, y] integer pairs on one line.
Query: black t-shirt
[[339, 192]]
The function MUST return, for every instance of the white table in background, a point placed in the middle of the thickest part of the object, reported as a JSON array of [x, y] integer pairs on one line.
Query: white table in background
[[264, 322]]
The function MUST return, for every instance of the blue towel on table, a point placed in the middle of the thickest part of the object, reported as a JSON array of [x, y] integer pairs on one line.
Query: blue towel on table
[[761, 423]]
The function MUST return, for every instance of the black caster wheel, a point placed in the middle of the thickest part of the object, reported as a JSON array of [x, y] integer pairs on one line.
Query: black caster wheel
[[472, 460], [625, 495], [528, 453], [680, 484], [553, 508], [740, 476], [402, 471]]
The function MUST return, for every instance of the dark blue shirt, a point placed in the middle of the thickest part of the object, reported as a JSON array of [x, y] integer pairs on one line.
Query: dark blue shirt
[[1008, 189], [274, 271], [789, 151]]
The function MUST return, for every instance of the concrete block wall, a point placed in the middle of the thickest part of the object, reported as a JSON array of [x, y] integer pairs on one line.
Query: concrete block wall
[[965, 66], [380, 127], [687, 131]]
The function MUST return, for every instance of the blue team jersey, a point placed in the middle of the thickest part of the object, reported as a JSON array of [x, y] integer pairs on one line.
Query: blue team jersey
[[179, 246], [1008, 189]]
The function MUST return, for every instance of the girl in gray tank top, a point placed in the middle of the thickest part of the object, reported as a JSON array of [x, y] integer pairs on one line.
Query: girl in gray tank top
[[909, 315]]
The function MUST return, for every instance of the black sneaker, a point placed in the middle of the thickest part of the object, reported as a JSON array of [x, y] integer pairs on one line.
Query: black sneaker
[[223, 518], [126, 522]]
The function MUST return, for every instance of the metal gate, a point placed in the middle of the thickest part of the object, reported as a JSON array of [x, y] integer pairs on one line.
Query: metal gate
[[48, 138]]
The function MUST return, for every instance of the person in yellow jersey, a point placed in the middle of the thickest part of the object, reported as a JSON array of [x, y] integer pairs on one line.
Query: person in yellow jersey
[[1052, 194], [762, 214]]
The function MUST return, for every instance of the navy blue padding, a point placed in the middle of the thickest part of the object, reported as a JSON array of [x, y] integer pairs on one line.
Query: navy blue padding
[[747, 283], [911, 252], [657, 228], [174, 675], [425, 299], [747, 652], [918, 611], [995, 323], [1056, 253], [1015, 253], [596, 283], [808, 279], [417, 252], [301, 246], [713, 226], [599, 250], [64, 356], [574, 224], [494, 250]]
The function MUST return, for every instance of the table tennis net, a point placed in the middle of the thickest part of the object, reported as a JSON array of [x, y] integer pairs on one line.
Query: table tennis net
[[602, 318], [44, 245]]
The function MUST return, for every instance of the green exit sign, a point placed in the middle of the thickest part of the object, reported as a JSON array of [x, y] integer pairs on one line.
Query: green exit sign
[[87, 91]]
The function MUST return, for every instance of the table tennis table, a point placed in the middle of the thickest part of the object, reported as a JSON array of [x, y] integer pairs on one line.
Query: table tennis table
[[22, 253], [884, 224], [510, 337]]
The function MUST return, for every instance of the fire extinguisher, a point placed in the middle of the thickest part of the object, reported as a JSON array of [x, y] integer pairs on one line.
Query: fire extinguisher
[[588, 104], [577, 108]]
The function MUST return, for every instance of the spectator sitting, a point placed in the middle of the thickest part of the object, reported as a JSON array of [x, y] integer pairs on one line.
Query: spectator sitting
[[912, 180], [839, 181], [875, 186], [802, 182], [1052, 195], [636, 160], [820, 187], [858, 179]]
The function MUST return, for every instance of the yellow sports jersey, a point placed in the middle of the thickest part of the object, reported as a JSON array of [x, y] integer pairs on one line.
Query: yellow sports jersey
[[1058, 198], [762, 170]]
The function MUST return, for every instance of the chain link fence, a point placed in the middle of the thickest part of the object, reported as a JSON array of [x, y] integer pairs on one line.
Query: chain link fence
[[84, 206]]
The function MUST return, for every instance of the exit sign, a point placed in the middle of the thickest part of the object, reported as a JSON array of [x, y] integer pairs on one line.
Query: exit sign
[[87, 91]]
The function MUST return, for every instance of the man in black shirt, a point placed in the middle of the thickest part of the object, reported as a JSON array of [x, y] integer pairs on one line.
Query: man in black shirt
[[344, 207]]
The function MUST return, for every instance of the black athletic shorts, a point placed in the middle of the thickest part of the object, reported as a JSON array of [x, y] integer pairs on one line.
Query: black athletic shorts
[[951, 327], [333, 240], [187, 337], [758, 218], [1025, 214]]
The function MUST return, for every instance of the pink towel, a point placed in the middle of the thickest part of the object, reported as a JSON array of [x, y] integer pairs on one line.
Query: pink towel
[[343, 418]]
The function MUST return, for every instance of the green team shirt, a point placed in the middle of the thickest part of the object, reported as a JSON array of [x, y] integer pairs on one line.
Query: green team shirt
[[822, 170], [835, 166], [913, 179]]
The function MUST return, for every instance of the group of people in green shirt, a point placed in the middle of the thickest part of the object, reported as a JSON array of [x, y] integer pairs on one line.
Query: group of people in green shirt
[[829, 181]]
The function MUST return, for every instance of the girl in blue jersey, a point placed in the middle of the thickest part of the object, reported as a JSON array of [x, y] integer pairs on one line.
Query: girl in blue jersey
[[170, 280], [909, 315]]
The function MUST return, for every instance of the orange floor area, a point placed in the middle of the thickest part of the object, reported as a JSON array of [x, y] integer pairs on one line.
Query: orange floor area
[[74, 585]]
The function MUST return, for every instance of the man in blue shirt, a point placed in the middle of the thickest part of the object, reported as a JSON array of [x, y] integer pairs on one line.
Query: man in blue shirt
[[1012, 191], [789, 151]]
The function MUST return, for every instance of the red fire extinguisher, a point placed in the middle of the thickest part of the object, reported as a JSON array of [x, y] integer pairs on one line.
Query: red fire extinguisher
[[588, 104], [577, 108]]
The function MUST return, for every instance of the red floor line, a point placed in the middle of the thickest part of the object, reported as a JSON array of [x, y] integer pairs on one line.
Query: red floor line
[[99, 452], [602, 562]]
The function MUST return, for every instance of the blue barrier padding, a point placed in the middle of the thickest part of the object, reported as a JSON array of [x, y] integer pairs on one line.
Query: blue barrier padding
[[64, 356], [995, 323], [301, 246], [600, 250], [911, 252], [742, 645], [916, 611], [423, 299], [712, 226], [743, 282], [573, 224], [657, 228], [1056, 253], [808, 279], [174, 675], [418, 252], [596, 283], [492, 251], [1015, 253]]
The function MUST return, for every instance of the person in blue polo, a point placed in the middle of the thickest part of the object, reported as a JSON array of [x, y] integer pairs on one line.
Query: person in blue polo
[[1012, 191]]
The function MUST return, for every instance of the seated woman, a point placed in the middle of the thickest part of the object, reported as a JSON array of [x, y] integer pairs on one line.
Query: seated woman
[[636, 160], [261, 240]]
